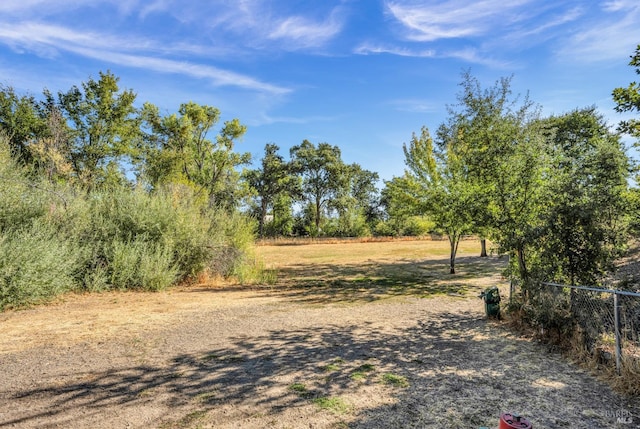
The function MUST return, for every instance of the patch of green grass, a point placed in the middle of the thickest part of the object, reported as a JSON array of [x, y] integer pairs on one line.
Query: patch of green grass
[[298, 387], [367, 367], [395, 380], [333, 404], [362, 372], [333, 366], [358, 376], [301, 390]]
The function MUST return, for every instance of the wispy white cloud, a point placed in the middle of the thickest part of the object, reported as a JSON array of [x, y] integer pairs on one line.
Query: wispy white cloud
[[366, 49], [216, 76], [613, 34], [428, 21], [303, 33], [619, 5], [266, 119], [252, 24], [257, 23], [542, 29], [49, 40], [476, 56], [40, 8], [470, 55], [413, 105]]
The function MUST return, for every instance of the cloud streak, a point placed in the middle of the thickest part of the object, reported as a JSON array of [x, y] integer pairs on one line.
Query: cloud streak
[[429, 21], [615, 35], [49, 40]]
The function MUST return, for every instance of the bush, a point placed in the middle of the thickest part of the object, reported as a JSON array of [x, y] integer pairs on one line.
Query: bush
[[141, 265], [35, 265], [133, 239], [20, 203], [55, 238], [414, 226]]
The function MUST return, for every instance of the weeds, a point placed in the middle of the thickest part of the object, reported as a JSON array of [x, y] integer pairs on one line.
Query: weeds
[[333, 404], [395, 380]]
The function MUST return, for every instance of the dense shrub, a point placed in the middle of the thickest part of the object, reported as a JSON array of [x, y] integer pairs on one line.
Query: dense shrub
[[20, 203], [35, 265], [55, 238], [412, 226]]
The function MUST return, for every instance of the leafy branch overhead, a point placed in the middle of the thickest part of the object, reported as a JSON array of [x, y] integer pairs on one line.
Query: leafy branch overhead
[[628, 99]]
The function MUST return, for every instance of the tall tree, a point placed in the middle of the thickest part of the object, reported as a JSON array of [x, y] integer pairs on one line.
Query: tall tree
[[584, 226], [628, 99], [320, 168], [443, 189], [498, 140], [269, 181], [178, 147], [355, 200], [104, 128]]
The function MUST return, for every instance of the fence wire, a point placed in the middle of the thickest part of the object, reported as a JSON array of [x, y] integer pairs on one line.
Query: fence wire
[[606, 321]]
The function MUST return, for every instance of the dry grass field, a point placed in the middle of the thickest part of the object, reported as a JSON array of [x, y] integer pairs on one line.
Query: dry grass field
[[348, 335]]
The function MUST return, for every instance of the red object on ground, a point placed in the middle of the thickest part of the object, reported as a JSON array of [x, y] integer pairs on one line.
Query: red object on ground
[[514, 421]]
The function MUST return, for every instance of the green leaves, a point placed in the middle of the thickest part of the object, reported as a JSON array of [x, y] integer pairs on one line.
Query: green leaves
[[628, 99], [178, 149], [104, 127], [440, 187]]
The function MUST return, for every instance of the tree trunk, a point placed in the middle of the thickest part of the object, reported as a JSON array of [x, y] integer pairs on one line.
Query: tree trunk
[[263, 215], [318, 207], [453, 242], [524, 275], [483, 246]]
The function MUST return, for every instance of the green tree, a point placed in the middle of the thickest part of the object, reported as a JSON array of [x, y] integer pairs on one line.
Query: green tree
[[178, 148], [584, 226], [355, 201], [21, 122], [104, 128], [270, 181], [402, 213], [283, 219], [321, 169], [441, 188], [628, 99], [501, 146]]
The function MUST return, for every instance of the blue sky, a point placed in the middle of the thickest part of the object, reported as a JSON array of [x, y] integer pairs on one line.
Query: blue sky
[[359, 74]]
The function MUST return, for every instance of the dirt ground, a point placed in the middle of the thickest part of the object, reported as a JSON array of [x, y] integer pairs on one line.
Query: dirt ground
[[301, 353]]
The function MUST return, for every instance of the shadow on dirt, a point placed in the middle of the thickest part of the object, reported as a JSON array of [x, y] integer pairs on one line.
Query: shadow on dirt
[[462, 371], [374, 280]]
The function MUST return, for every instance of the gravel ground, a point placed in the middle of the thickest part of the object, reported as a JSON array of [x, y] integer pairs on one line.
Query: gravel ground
[[237, 358]]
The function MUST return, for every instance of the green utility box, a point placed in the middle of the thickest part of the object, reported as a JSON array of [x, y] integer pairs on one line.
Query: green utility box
[[491, 297]]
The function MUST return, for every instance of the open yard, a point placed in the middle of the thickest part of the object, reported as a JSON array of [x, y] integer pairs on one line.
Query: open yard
[[355, 335]]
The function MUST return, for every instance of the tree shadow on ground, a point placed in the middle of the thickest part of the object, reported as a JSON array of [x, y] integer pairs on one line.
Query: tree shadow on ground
[[373, 279], [461, 372]]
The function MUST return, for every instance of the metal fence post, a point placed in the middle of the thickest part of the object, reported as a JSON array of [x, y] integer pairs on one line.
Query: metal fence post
[[616, 315]]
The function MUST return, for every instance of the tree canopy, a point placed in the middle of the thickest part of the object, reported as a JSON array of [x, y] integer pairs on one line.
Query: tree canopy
[[628, 99]]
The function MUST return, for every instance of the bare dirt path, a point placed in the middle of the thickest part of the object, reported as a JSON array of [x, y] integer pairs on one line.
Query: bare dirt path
[[283, 357]]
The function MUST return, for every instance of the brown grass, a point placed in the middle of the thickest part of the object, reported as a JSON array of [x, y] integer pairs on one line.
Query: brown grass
[[366, 271], [343, 338]]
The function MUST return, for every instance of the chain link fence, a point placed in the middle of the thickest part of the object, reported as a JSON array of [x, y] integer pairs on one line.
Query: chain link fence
[[605, 323]]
